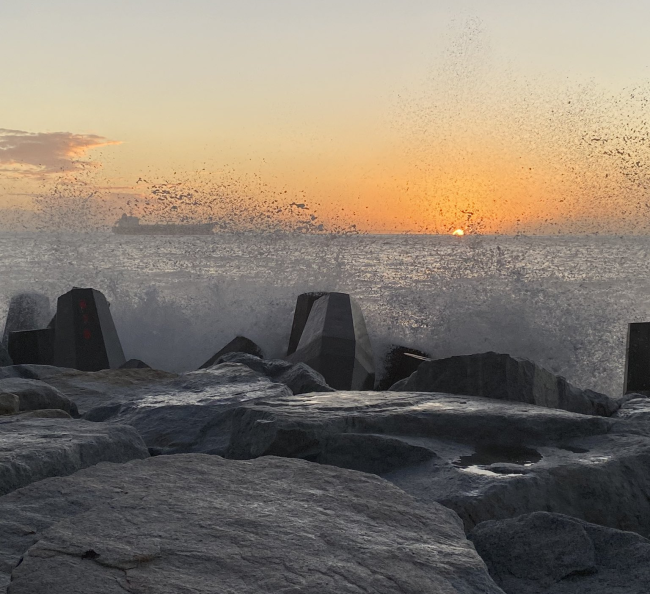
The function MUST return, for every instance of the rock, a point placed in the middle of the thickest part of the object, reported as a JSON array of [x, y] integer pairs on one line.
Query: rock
[[38, 372], [556, 554], [85, 335], [190, 412], [27, 311], [398, 365], [32, 347], [502, 377], [201, 524], [304, 304], [9, 403], [134, 364], [300, 378], [239, 344], [34, 449], [35, 395], [335, 343], [46, 413], [485, 459]]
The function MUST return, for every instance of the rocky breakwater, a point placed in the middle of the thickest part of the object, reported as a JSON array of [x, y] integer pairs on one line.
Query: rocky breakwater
[[201, 524], [484, 458]]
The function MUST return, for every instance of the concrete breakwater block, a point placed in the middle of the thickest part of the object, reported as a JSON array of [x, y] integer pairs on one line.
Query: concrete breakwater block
[[27, 311], [32, 347], [637, 358], [85, 335], [335, 343], [304, 304], [202, 524]]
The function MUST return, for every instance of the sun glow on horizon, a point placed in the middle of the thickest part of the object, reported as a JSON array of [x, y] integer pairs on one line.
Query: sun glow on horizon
[[458, 233]]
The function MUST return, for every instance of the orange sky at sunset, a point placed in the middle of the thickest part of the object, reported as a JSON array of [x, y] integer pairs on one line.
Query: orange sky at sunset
[[426, 119]]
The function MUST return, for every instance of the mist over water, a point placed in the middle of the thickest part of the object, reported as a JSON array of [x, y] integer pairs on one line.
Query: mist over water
[[563, 302]]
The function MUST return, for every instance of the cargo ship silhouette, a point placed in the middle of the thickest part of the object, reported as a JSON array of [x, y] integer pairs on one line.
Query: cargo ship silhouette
[[129, 225]]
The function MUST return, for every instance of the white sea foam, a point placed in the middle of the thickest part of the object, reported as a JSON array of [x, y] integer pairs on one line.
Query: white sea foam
[[563, 302]]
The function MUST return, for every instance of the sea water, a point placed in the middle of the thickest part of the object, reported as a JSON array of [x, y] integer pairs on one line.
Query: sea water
[[563, 302]]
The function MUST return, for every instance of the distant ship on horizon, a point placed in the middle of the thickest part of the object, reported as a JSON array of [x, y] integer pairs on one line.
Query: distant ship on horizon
[[130, 225]]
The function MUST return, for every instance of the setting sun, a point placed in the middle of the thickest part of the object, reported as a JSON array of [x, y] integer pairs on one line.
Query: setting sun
[[459, 232]]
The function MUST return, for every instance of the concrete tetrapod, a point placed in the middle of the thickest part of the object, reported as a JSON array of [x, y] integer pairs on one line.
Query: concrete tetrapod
[[335, 343], [86, 338]]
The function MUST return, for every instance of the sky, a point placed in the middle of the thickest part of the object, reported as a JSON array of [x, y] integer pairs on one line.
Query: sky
[[418, 116]]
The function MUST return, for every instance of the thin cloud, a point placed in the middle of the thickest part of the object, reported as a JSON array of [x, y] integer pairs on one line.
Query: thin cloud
[[33, 154]]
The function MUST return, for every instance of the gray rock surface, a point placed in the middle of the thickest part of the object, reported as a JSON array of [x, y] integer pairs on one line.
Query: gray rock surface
[[201, 524], [502, 377], [5, 359], [36, 394], [9, 403], [485, 459], [190, 412], [545, 553], [34, 449], [300, 378], [46, 413]]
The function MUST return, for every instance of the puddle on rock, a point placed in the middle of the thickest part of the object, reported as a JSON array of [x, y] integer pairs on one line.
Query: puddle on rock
[[484, 456]]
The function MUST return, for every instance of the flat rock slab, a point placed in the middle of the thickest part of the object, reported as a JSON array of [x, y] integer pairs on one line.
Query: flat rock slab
[[202, 524], [34, 449], [37, 395], [545, 553], [485, 459], [184, 413]]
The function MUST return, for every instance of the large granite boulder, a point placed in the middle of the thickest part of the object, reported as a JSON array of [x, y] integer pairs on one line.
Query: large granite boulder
[[239, 344], [202, 524], [299, 378], [34, 449], [85, 334], [335, 343], [502, 377], [545, 553], [36, 395], [486, 459], [27, 311], [190, 412]]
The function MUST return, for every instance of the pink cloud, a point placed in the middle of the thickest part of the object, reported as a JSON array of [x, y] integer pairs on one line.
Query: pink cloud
[[42, 153]]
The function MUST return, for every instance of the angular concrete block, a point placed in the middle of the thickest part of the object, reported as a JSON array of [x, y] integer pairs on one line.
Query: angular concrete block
[[86, 338], [304, 304], [239, 344], [135, 364], [27, 311], [32, 347], [637, 358], [335, 343]]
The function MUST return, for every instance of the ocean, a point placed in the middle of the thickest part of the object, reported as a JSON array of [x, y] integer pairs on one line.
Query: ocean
[[563, 302]]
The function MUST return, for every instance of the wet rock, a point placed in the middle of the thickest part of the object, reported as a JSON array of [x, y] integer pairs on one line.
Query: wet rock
[[335, 343], [556, 554], [36, 394], [27, 311], [34, 449], [9, 403], [85, 335], [399, 364], [485, 459], [304, 304], [46, 413], [191, 412], [32, 347], [37, 372], [502, 377], [192, 522], [239, 344], [300, 378], [134, 364]]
